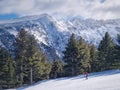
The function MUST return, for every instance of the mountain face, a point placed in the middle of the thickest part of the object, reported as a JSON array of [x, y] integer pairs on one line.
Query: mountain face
[[53, 34]]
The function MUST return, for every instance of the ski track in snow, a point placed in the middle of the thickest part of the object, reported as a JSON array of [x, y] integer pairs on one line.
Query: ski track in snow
[[107, 80]]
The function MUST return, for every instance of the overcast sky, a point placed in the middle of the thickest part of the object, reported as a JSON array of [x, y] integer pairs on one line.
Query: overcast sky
[[96, 9]]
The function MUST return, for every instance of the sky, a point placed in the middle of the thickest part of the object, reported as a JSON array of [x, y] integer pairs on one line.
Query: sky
[[95, 9]]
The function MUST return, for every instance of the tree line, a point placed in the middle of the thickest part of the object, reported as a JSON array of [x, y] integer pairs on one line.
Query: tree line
[[80, 57], [29, 64]]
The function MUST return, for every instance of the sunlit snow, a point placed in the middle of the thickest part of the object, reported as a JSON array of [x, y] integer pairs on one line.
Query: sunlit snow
[[107, 80]]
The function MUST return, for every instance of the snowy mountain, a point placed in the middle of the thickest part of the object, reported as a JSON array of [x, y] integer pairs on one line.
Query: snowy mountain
[[53, 34], [107, 80]]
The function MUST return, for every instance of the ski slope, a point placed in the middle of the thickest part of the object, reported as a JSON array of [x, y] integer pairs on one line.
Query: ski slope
[[107, 80]]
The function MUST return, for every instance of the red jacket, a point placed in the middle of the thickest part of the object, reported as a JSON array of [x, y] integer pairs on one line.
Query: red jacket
[[86, 73]]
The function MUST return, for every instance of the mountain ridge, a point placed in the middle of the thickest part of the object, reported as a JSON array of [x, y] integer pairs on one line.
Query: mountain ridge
[[53, 34]]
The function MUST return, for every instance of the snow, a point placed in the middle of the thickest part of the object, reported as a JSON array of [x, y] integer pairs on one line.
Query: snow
[[24, 18], [107, 80], [55, 33], [13, 32]]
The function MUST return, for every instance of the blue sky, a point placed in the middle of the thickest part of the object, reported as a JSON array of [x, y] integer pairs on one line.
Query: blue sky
[[8, 16], [96, 9]]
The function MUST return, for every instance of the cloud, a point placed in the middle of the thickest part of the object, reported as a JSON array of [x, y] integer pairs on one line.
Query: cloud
[[97, 9]]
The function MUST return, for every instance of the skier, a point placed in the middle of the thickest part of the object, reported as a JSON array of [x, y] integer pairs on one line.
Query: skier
[[86, 75]]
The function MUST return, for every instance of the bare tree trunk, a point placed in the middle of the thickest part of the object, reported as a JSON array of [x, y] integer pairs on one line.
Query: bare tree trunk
[[31, 78], [21, 75], [72, 69]]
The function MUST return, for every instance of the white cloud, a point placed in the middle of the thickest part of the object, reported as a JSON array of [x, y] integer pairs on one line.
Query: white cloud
[[97, 9]]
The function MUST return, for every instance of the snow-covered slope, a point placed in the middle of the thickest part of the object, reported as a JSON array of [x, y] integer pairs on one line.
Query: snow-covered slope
[[53, 34], [107, 80]]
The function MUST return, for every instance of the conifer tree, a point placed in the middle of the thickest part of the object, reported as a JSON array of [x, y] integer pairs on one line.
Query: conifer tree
[[43, 69], [7, 71], [83, 57], [94, 64], [76, 56], [21, 47], [32, 64], [116, 63], [70, 56], [57, 69], [37, 62], [106, 52], [33, 57]]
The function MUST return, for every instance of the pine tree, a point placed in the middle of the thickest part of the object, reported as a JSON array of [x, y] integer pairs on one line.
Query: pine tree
[[116, 63], [94, 64], [76, 56], [106, 52], [46, 68], [42, 68], [32, 64], [57, 69], [7, 71], [21, 47], [37, 62], [70, 56], [83, 57]]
